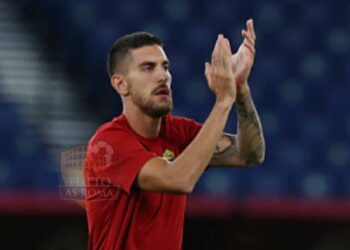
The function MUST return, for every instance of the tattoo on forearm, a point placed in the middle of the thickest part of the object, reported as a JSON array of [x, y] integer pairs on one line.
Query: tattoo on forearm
[[250, 135]]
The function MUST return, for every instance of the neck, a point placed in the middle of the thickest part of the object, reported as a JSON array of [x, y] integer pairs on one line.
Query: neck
[[142, 123]]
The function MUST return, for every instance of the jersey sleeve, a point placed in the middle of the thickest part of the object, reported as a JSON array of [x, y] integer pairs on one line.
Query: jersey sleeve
[[188, 129], [115, 162], [194, 128], [191, 129]]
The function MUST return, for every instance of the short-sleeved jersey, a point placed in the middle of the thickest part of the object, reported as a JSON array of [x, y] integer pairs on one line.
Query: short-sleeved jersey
[[120, 214]]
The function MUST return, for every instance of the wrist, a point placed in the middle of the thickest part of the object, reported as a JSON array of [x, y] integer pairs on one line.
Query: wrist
[[243, 89], [225, 103]]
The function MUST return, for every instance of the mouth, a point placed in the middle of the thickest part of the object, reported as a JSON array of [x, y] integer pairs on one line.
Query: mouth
[[162, 92]]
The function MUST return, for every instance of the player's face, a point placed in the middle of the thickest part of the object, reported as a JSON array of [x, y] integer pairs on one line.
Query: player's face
[[149, 80]]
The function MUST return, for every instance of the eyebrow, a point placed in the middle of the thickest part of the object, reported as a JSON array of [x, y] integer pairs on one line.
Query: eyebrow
[[152, 63]]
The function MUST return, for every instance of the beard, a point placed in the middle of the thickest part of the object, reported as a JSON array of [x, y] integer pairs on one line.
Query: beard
[[150, 107]]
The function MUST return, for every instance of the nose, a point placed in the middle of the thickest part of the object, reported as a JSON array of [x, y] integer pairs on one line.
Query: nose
[[163, 76]]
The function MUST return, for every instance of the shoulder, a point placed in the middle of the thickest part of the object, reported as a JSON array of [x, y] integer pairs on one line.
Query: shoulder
[[182, 129], [181, 121], [112, 131]]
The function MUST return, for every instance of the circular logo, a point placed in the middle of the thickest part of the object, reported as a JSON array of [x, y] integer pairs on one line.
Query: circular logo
[[102, 152]]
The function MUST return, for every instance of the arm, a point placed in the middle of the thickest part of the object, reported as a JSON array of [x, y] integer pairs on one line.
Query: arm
[[250, 134], [248, 146], [181, 175]]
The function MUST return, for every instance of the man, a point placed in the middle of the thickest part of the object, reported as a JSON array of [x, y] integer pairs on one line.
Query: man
[[146, 160]]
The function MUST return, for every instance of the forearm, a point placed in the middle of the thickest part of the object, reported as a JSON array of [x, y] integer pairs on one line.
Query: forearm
[[195, 158], [251, 143]]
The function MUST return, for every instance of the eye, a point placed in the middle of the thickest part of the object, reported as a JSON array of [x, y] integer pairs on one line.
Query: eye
[[167, 67], [147, 69]]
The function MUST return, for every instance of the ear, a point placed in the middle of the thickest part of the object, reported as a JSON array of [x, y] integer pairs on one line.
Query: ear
[[120, 85]]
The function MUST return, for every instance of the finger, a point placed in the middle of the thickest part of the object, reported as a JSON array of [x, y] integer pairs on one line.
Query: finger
[[207, 70], [215, 55], [234, 61], [221, 50], [246, 35], [227, 53], [229, 47], [217, 44], [253, 29], [249, 46], [250, 28]]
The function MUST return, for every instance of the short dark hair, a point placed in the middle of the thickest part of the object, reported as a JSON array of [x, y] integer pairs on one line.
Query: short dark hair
[[121, 48]]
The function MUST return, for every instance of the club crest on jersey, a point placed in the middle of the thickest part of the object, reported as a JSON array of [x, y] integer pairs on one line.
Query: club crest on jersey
[[168, 155]]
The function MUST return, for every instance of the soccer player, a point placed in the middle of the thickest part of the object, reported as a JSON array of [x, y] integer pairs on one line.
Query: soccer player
[[141, 165]]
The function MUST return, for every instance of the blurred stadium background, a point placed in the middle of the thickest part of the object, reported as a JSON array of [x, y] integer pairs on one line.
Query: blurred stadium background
[[54, 92]]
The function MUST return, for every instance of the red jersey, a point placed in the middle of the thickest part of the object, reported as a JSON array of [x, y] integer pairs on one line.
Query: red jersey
[[120, 214]]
